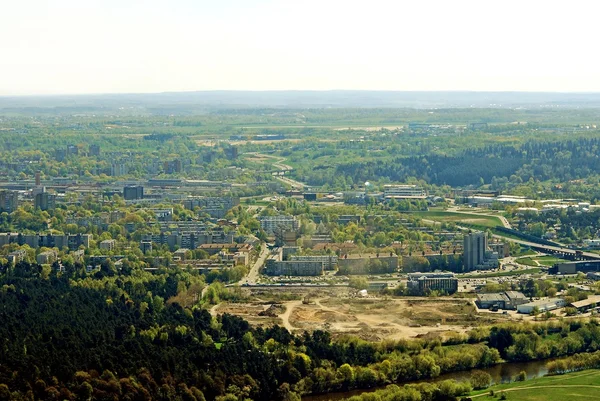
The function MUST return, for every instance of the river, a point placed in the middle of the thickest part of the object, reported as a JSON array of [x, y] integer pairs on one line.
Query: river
[[503, 372]]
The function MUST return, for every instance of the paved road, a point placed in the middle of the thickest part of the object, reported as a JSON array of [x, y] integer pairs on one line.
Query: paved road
[[252, 277], [278, 164], [550, 249]]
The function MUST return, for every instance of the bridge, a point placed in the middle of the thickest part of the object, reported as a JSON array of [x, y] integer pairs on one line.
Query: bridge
[[565, 253]]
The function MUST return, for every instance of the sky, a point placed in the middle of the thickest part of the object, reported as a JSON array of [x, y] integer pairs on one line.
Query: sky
[[139, 46]]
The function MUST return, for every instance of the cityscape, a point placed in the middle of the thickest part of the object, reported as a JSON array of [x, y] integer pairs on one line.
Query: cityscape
[[279, 201]]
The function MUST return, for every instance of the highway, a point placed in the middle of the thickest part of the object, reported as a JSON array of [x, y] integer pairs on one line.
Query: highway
[[552, 249]]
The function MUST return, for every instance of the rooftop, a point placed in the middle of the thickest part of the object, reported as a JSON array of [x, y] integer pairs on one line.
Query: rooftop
[[594, 299]]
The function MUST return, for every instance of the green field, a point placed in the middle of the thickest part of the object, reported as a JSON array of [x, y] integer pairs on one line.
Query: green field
[[574, 386], [543, 260], [467, 219]]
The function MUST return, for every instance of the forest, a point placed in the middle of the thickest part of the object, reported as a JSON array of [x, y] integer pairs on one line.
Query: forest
[[75, 336]]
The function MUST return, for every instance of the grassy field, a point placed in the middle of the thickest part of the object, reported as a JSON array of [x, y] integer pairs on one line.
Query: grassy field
[[457, 217], [542, 260], [574, 386]]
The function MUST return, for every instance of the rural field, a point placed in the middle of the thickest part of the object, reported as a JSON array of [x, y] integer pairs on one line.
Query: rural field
[[369, 318], [574, 386]]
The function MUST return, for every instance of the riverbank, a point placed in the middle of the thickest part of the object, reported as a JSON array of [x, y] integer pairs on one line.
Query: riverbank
[[582, 385], [500, 373]]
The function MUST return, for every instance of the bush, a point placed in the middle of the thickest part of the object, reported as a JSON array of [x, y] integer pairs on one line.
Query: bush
[[480, 380]]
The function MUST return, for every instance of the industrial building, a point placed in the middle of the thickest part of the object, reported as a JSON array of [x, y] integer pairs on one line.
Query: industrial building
[[501, 300], [575, 267], [543, 305], [404, 192], [422, 283], [592, 302]]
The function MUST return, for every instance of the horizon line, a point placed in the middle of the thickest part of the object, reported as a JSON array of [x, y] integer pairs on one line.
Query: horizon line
[[300, 90]]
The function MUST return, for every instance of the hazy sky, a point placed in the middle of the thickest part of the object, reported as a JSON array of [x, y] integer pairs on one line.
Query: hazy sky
[[104, 46]]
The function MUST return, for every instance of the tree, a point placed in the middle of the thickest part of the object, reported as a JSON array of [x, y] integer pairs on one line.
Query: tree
[[480, 379], [358, 283]]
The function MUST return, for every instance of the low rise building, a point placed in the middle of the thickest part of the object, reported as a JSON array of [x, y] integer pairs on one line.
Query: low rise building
[[17, 256], [275, 267], [47, 257], [404, 192], [181, 254], [423, 283], [329, 261], [501, 300], [592, 302], [542, 305], [575, 267]]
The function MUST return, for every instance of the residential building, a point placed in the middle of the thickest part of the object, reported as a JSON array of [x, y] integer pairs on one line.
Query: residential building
[[146, 246], [172, 167], [180, 254], [47, 257], [329, 261], [17, 256], [133, 192], [190, 240], [71, 242], [45, 201], [476, 252], [213, 249], [501, 248], [215, 207], [94, 150], [423, 283], [271, 223], [108, 244], [9, 201], [276, 267], [118, 169], [404, 192]]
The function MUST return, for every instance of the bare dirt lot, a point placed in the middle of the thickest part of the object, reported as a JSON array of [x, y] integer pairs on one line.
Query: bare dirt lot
[[369, 318]]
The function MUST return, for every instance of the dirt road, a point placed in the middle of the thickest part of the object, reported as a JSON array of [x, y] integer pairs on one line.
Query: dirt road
[[285, 317]]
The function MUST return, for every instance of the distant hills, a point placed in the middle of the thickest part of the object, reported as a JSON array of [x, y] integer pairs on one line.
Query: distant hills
[[204, 101]]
